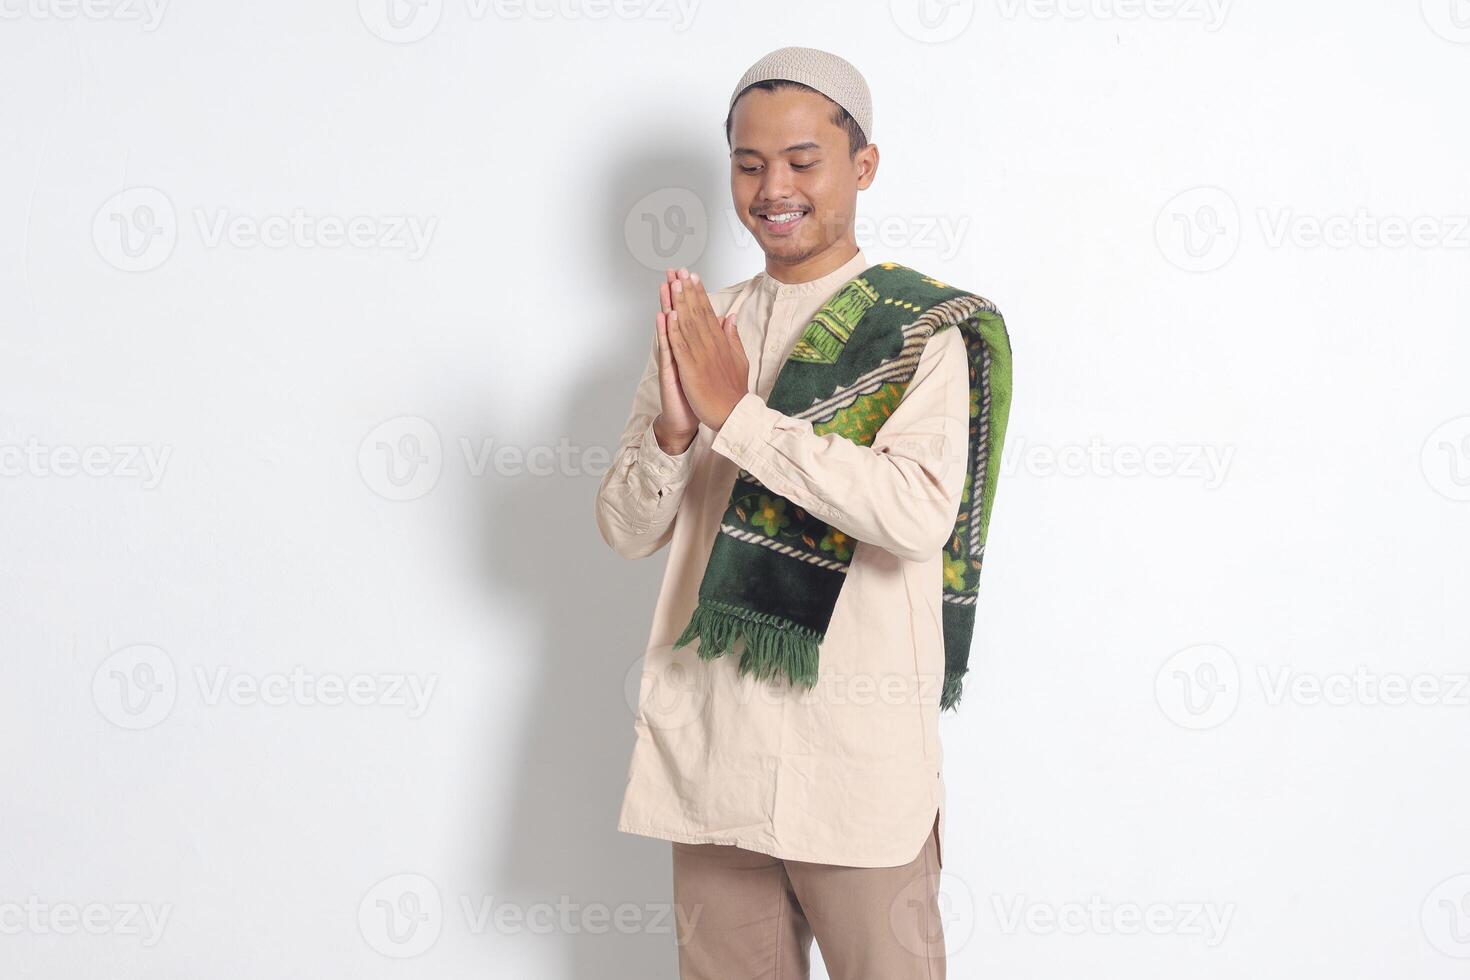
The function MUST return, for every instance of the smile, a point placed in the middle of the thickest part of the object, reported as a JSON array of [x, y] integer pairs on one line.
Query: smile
[[782, 222]]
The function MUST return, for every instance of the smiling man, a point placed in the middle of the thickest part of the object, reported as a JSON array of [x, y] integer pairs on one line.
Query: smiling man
[[818, 445]]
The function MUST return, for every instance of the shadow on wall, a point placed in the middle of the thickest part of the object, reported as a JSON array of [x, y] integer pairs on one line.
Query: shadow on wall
[[543, 553]]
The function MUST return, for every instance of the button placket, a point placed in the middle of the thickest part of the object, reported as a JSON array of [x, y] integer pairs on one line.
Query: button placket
[[780, 324]]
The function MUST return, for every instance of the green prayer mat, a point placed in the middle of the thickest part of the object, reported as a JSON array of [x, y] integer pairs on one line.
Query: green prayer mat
[[775, 570]]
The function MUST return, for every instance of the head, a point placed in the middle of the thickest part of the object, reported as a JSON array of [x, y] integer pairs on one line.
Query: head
[[793, 150]]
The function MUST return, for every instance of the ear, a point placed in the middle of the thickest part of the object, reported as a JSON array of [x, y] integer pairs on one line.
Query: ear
[[866, 162]]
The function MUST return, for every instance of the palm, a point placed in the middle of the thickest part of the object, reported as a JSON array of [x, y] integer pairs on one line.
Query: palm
[[674, 406], [702, 349]]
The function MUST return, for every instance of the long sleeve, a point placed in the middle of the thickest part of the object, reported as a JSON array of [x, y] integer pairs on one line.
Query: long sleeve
[[901, 494], [640, 492]]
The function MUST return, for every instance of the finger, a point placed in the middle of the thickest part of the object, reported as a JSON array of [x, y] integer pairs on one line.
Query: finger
[[663, 296], [727, 326], [702, 305], [688, 320], [678, 337], [732, 324], [700, 296], [661, 335]]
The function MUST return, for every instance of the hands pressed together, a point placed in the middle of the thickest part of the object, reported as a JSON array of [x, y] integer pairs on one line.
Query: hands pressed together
[[703, 371]]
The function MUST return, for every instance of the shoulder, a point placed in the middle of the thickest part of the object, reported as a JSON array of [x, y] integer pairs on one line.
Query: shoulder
[[944, 347], [733, 290], [927, 290], [722, 299]]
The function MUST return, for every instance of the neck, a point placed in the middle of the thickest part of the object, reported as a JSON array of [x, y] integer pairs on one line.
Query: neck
[[813, 266]]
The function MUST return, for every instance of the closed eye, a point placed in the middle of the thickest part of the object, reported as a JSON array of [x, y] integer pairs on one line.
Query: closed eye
[[794, 166]]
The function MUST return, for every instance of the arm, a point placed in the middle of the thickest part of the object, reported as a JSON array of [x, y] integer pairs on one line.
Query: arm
[[901, 494], [640, 492]]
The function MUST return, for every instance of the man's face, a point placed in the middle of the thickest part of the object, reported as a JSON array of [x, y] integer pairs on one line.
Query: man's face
[[787, 157]]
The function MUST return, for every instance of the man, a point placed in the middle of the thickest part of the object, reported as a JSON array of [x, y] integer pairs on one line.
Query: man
[[814, 808]]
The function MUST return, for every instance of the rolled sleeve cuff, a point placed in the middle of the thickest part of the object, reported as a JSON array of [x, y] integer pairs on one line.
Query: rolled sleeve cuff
[[663, 467], [745, 431]]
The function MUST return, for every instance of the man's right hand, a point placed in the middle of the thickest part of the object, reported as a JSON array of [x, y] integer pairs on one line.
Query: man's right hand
[[676, 425]]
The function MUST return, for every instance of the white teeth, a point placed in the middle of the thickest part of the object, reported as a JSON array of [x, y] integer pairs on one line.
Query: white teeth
[[784, 217]]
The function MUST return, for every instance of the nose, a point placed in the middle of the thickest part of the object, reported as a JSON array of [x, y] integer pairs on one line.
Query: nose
[[776, 184]]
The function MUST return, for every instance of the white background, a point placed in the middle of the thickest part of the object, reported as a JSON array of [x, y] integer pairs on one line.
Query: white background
[[1137, 187]]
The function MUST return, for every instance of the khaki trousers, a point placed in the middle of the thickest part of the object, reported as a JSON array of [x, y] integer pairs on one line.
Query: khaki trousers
[[742, 915]]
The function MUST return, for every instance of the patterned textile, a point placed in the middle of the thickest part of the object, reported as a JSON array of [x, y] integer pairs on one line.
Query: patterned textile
[[775, 571]]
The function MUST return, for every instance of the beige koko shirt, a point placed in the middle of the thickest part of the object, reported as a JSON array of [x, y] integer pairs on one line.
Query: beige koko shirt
[[848, 772]]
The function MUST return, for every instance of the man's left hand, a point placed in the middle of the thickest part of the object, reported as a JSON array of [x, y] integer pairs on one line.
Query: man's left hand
[[713, 368]]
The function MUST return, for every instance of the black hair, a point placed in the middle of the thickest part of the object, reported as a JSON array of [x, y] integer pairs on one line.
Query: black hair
[[840, 117]]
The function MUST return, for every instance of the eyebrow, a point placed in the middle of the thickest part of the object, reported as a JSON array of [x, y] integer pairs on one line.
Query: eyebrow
[[808, 145]]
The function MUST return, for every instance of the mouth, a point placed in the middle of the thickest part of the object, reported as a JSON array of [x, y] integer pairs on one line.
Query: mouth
[[782, 222]]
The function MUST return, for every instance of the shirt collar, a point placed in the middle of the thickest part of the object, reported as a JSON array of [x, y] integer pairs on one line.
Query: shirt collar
[[825, 284]]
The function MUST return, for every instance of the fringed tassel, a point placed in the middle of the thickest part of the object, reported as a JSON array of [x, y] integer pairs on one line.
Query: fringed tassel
[[953, 688], [773, 645]]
